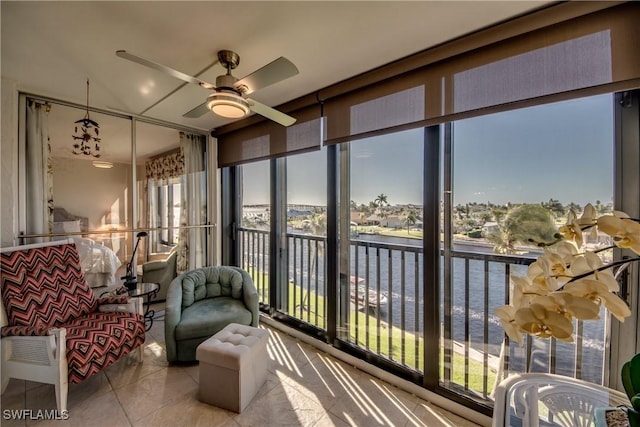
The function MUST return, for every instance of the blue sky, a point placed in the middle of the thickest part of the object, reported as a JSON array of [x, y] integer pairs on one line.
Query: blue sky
[[562, 151]]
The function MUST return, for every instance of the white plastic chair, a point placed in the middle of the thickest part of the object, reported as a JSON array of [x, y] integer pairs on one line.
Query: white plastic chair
[[563, 401]]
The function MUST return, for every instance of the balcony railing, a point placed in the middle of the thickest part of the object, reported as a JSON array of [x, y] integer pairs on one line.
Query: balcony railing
[[386, 310]]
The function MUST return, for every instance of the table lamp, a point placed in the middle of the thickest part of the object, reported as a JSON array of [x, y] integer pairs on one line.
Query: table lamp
[[130, 279]]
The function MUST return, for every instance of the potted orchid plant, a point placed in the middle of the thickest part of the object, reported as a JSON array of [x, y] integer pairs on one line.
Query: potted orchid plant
[[568, 282]]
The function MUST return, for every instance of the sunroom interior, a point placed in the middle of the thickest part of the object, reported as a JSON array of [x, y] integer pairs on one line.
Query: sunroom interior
[[381, 229]]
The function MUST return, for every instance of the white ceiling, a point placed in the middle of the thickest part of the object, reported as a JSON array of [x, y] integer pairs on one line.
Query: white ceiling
[[50, 48]]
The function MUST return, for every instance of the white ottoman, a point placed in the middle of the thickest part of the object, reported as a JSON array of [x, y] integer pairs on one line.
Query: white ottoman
[[233, 366]]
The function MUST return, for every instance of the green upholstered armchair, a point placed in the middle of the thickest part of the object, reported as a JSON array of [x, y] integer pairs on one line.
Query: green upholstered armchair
[[161, 272], [201, 302]]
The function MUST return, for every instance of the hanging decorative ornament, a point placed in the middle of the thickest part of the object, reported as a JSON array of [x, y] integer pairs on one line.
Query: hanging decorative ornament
[[86, 134]]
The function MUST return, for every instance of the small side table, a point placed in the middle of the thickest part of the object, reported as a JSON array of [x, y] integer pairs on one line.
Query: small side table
[[148, 291]]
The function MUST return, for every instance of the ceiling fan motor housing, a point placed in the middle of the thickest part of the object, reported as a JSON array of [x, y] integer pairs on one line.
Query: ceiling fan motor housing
[[226, 81]]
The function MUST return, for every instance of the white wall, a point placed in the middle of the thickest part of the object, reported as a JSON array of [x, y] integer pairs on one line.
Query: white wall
[[98, 194]]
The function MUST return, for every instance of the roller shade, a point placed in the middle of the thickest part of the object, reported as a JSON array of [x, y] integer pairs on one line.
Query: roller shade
[[566, 51], [590, 54], [267, 139]]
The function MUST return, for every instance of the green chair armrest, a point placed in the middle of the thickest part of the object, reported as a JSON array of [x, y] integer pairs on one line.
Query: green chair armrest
[[173, 313]]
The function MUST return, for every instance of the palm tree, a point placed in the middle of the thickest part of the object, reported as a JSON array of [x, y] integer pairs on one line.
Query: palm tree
[[576, 208], [381, 200], [378, 203], [411, 219], [600, 208], [485, 217], [554, 206], [498, 213]]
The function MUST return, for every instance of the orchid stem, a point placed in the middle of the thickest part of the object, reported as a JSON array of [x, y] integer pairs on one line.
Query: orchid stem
[[604, 267]]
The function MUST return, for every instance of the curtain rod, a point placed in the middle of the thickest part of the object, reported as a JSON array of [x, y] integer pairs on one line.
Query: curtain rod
[[124, 230], [127, 116]]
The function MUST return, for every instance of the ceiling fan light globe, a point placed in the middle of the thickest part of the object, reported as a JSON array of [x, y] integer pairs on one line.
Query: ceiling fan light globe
[[230, 106], [229, 110]]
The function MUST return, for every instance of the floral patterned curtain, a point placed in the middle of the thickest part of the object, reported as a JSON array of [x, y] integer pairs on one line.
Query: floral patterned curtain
[[170, 165], [158, 172]]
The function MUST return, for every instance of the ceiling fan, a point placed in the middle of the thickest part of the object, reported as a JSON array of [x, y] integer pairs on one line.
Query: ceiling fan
[[228, 98]]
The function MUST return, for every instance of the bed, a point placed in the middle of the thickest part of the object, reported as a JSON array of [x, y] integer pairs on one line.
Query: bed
[[99, 263]]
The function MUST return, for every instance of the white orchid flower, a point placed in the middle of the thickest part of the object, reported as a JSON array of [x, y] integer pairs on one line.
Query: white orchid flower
[[571, 230], [524, 290], [552, 269], [565, 284], [591, 262], [570, 305], [506, 314], [588, 217], [625, 231], [589, 220], [539, 321], [599, 293]]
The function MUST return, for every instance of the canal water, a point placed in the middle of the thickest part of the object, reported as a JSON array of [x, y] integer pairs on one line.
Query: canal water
[[399, 278]]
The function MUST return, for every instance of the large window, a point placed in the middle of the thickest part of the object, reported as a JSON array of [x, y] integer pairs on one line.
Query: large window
[[370, 288], [255, 220], [381, 261], [172, 193], [516, 175], [306, 218]]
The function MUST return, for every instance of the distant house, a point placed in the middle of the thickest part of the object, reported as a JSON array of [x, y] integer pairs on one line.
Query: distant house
[[490, 227], [357, 217], [372, 220], [294, 213], [393, 221]]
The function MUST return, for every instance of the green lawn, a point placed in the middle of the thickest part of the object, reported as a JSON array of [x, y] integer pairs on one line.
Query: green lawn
[[395, 232], [310, 307]]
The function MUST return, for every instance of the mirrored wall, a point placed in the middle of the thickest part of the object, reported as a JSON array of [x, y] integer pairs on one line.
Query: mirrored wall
[[114, 183]]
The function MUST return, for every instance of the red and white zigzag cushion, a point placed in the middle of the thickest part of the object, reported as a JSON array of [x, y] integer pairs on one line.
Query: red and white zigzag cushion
[[44, 286], [97, 340]]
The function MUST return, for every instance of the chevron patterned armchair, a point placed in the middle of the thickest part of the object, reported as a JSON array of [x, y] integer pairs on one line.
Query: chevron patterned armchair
[[54, 329]]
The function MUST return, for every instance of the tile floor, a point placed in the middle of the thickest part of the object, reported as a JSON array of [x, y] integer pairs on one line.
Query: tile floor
[[305, 387]]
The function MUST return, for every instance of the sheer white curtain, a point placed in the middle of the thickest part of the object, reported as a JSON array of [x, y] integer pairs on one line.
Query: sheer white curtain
[[38, 171], [191, 246]]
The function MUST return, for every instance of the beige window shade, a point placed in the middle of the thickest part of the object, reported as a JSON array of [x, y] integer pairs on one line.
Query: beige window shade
[[573, 64], [586, 55], [386, 105], [566, 51], [267, 140]]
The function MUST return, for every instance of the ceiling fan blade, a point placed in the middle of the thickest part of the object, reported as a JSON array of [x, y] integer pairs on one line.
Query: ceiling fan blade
[[168, 70], [271, 73], [199, 111], [270, 113]]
